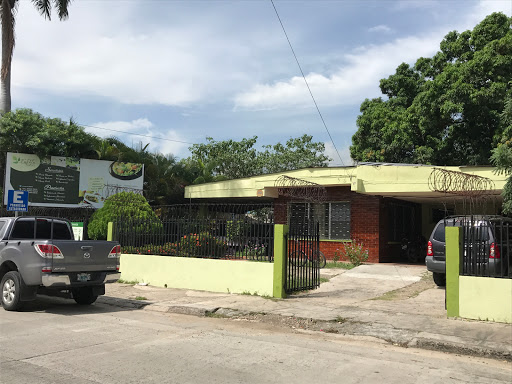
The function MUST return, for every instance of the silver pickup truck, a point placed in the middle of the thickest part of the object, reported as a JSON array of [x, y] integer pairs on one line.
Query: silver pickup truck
[[40, 255]]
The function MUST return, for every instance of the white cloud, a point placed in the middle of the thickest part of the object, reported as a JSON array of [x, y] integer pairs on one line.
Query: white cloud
[[357, 79], [359, 76], [142, 131], [104, 50], [116, 128], [344, 153], [380, 28]]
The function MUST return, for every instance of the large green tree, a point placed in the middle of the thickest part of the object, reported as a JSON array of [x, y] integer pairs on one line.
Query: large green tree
[[229, 159], [8, 9], [446, 109]]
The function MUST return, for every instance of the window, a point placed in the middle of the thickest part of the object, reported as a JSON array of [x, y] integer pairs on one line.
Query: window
[[439, 233], [23, 229], [61, 230], [43, 229], [334, 218]]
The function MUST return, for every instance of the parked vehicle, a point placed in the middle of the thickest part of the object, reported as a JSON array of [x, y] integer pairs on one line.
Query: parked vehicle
[[40, 255], [487, 243]]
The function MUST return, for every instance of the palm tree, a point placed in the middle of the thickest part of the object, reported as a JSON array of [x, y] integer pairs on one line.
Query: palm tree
[[8, 9]]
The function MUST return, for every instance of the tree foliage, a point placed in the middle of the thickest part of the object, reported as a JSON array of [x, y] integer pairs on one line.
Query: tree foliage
[[502, 155], [446, 109], [123, 206], [229, 159]]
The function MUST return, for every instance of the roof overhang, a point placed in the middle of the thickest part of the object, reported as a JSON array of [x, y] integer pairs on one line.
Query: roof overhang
[[407, 182]]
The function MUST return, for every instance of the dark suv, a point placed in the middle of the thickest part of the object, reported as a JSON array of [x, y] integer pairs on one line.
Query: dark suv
[[487, 241]]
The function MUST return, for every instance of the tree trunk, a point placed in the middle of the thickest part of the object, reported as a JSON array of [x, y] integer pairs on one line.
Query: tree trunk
[[5, 93], [7, 48]]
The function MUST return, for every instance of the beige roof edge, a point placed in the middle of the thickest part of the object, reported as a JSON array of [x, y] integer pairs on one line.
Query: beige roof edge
[[373, 179]]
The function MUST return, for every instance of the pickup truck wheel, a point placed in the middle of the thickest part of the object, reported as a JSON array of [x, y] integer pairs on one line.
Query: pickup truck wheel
[[84, 296], [439, 279], [11, 291]]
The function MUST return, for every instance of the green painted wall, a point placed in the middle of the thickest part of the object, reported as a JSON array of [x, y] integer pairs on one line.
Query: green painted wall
[[280, 232], [453, 268], [485, 298], [235, 276]]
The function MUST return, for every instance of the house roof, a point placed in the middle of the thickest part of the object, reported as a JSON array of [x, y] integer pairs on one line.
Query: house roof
[[408, 181]]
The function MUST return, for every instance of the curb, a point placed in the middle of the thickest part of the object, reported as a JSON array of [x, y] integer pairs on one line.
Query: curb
[[385, 332]]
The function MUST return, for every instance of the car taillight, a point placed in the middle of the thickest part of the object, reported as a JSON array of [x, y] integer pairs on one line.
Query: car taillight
[[49, 251], [117, 268], [494, 253], [46, 270], [115, 252], [430, 250]]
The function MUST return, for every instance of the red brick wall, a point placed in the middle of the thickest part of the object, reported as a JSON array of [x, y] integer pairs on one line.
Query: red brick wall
[[365, 221]]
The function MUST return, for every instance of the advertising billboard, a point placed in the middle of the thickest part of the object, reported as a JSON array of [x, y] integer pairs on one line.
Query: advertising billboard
[[59, 181]]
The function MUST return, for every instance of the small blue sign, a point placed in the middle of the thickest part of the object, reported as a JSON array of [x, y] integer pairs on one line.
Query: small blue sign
[[17, 200]]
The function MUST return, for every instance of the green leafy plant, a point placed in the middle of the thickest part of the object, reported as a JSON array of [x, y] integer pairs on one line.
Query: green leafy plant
[[353, 252], [236, 229], [253, 250], [130, 207], [168, 249]]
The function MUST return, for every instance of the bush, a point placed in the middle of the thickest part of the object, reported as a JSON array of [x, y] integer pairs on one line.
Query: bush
[[236, 229], [353, 252], [168, 249], [201, 244], [129, 207]]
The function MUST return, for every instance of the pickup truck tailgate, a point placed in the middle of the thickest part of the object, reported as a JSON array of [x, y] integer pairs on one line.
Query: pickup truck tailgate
[[85, 256]]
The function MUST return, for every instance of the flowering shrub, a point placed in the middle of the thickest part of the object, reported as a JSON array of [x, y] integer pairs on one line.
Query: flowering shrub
[[353, 252], [201, 244]]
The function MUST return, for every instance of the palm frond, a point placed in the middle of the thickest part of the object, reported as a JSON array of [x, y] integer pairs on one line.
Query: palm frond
[[44, 7], [62, 8]]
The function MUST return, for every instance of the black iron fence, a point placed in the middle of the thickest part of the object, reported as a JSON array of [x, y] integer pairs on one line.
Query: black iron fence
[[221, 231], [487, 247]]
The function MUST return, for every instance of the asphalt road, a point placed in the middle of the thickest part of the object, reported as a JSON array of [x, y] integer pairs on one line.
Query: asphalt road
[[55, 341]]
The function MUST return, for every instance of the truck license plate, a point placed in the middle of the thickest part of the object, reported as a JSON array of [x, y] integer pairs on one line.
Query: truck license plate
[[83, 277]]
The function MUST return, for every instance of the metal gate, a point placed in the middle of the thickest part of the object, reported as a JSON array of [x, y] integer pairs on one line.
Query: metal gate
[[303, 257]]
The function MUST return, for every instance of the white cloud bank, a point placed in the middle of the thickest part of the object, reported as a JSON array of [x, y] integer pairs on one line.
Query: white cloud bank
[[107, 49], [359, 76]]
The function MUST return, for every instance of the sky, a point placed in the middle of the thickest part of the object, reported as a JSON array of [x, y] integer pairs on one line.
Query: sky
[[178, 72]]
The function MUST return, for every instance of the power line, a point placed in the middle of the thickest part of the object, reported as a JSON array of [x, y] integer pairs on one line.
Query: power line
[[307, 85], [135, 134]]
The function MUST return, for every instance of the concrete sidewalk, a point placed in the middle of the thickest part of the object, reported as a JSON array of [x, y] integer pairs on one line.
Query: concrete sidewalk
[[396, 303]]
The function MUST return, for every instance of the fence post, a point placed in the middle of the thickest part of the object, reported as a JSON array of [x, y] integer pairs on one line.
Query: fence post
[[280, 232], [110, 231], [453, 269]]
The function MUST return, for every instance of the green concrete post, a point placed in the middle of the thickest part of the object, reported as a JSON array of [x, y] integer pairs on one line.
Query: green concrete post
[[453, 269], [280, 232], [110, 231]]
